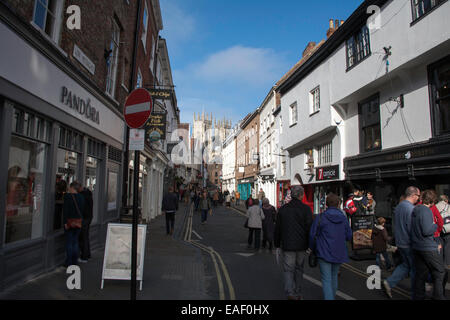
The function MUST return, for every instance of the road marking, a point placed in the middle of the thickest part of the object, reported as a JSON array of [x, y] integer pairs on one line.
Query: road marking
[[198, 236], [338, 293], [213, 253], [397, 290]]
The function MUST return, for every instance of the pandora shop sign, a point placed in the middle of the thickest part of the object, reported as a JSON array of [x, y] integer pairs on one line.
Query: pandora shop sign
[[80, 105]]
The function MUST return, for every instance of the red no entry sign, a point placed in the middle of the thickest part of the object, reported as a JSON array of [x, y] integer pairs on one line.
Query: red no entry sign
[[138, 108]]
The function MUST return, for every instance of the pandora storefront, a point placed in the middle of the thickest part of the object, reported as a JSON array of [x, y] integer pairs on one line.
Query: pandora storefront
[[55, 128]]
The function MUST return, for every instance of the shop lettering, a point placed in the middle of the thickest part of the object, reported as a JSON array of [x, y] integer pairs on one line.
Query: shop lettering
[[81, 106]]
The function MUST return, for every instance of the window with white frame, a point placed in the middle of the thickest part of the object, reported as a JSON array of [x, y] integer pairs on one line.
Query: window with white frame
[[422, 7], [48, 17], [325, 154], [293, 114], [112, 60], [314, 100], [145, 25]]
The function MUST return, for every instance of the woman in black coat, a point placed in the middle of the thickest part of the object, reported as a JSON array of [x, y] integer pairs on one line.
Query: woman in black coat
[[268, 223]]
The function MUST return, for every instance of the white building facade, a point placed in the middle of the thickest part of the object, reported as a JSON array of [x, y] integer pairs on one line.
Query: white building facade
[[268, 134], [370, 107]]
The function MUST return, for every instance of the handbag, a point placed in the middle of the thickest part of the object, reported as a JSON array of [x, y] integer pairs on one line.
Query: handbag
[[74, 223], [246, 224], [312, 259]]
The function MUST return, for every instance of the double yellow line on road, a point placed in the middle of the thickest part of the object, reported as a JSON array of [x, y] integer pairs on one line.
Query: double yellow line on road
[[217, 259]]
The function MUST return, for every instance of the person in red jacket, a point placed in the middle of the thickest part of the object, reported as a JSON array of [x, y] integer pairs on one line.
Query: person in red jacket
[[437, 220]]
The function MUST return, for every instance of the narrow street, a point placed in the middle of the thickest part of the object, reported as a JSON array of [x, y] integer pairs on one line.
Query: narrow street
[[246, 275], [200, 262]]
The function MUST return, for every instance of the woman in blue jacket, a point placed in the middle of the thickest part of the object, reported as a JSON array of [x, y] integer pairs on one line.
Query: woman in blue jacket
[[330, 247]]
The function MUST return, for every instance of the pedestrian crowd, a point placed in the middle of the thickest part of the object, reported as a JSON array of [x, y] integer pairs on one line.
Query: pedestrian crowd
[[421, 235]]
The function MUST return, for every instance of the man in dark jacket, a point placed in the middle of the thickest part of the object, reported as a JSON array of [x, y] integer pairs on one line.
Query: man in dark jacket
[[402, 234], [291, 235], [426, 248], [85, 248], [170, 206]]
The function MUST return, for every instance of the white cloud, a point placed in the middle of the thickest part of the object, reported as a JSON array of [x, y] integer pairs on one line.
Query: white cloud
[[241, 65], [179, 26]]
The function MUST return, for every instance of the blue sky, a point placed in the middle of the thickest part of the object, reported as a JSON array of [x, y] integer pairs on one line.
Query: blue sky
[[225, 55]]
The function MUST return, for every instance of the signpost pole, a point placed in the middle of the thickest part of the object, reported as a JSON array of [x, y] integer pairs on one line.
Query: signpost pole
[[137, 156]]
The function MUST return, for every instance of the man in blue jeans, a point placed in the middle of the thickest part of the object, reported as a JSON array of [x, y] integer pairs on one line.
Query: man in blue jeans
[[402, 233]]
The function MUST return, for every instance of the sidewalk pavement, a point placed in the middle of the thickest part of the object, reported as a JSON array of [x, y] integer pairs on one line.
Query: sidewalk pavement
[[173, 270]]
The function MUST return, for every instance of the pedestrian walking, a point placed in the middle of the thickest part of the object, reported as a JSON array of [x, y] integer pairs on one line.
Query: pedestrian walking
[[329, 240], [215, 198], [255, 217], [228, 200], [268, 223], [402, 234], [238, 198], [380, 239], [349, 207], [444, 209], [72, 219], [291, 235], [249, 202], [426, 248], [371, 204], [197, 200], [261, 196], [170, 207], [84, 240], [205, 206]]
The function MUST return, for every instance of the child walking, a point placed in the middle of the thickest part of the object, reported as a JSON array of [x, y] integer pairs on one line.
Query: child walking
[[380, 240]]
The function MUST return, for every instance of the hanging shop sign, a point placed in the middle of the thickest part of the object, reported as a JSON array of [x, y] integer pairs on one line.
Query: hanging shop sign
[[80, 105], [362, 227], [155, 128], [161, 94], [327, 173]]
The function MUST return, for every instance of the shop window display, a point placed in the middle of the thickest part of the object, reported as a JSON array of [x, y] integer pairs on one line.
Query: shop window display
[[25, 190], [91, 182], [67, 169]]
